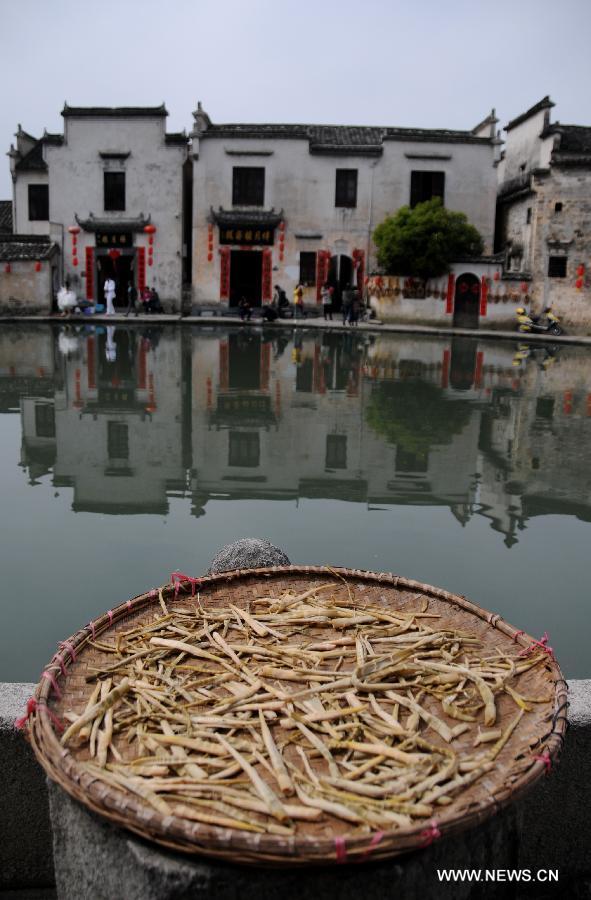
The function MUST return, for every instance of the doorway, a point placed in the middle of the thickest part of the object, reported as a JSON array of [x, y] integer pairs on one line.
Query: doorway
[[121, 270], [246, 276], [340, 274], [467, 301]]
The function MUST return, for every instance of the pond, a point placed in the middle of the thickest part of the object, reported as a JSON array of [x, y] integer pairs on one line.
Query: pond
[[127, 453]]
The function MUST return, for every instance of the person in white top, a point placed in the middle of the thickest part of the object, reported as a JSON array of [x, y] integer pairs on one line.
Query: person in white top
[[110, 296]]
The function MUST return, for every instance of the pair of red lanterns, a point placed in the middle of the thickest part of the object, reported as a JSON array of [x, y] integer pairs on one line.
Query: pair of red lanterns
[[281, 241], [74, 232]]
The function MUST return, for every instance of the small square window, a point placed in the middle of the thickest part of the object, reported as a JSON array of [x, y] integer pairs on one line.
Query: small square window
[[248, 186], [308, 268], [45, 420], [244, 449], [38, 203], [558, 207], [426, 185], [528, 217], [114, 191], [557, 266], [117, 440], [346, 188]]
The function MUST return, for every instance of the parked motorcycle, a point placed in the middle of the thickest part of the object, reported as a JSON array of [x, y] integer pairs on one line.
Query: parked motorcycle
[[547, 323]]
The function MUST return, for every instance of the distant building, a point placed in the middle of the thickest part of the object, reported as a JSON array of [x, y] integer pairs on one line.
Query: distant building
[[109, 192], [298, 203], [5, 216], [544, 211]]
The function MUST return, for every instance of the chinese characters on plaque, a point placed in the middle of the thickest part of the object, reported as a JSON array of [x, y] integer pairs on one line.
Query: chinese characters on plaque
[[246, 235], [114, 239]]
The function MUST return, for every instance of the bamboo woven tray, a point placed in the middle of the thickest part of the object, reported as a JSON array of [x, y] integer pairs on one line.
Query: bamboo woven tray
[[66, 686]]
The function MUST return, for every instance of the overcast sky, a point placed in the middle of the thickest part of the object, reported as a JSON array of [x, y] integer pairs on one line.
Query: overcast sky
[[424, 63]]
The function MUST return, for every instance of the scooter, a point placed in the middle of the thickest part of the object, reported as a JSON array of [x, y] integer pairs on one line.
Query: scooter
[[547, 323]]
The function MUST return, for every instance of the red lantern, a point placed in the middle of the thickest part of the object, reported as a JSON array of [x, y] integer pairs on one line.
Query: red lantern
[[37, 266], [580, 270], [496, 276], [7, 267], [114, 253], [151, 240], [150, 261], [73, 229], [150, 229], [209, 257], [74, 240], [75, 261], [524, 287], [579, 283]]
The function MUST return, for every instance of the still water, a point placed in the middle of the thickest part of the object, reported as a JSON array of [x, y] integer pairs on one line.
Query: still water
[[126, 453]]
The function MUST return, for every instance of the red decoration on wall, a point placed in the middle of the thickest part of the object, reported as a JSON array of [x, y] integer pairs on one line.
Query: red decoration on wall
[[579, 283], [580, 270], [89, 265], [322, 263], [114, 253], [497, 276], [523, 287], [225, 273], [478, 368], [141, 268], [483, 295], [449, 304], [209, 257], [267, 263], [149, 229], [359, 265], [74, 240], [567, 403], [282, 226], [73, 229], [151, 240], [90, 362], [37, 266], [75, 261], [150, 261], [7, 268]]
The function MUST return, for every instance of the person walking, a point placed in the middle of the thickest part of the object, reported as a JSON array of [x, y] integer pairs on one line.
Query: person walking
[[326, 297], [298, 301], [131, 299], [110, 295], [355, 307]]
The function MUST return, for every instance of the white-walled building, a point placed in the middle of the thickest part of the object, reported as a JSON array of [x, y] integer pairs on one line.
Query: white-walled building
[[288, 203], [109, 191]]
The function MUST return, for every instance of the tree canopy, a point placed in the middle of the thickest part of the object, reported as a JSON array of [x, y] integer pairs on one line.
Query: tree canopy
[[423, 241]]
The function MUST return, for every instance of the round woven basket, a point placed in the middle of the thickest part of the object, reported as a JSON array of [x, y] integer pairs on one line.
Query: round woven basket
[[526, 756]]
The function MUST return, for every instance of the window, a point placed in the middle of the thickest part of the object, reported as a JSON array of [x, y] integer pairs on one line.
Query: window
[[557, 267], [117, 440], [410, 461], [558, 207], [248, 186], [336, 451], [115, 191], [45, 420], [346, 188], [528, 216], [545, 407], [244, 450], [308, 269], [38, 203], [426, 185]]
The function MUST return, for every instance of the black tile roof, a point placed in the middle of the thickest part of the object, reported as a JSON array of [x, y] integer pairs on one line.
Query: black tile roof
[[176, 137], [5, 216], [573, 138], [18, 247], [33, 160], [120, 112], [340, 138], [544, 103], [242, 217]]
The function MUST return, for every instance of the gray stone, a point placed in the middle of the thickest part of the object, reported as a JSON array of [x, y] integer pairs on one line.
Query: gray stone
[[26, 860], [247, 553]]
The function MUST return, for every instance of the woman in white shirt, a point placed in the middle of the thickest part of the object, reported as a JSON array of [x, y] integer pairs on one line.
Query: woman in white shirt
[[110, 296]]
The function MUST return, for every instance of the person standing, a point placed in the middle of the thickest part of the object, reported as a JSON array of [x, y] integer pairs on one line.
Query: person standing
[[110, 295], [326, 297], [346, 304]]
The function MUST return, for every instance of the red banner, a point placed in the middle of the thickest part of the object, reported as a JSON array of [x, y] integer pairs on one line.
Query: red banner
[[478, 370], [89, 273], [451, 285], [483, 295], [267, 262], [322, 263], [359, 264], [225, 273], [141, 268]]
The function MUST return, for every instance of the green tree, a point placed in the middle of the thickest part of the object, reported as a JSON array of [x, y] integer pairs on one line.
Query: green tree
[[423, 241]]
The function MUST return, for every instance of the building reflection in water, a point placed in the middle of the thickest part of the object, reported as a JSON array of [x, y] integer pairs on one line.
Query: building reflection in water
[[128, 418]]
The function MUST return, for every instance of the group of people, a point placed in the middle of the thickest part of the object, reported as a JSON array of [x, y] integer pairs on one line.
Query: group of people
[[351, 304], [148, 300]]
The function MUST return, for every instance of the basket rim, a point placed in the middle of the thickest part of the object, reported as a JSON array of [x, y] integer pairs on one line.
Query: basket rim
[[61, 765]]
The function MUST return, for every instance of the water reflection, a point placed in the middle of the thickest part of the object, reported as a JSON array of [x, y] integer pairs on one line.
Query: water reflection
[[128, 418]]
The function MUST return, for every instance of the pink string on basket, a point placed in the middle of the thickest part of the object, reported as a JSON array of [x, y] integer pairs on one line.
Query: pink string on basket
[[430, 834], [177, 577], [32, 706], [92, 627], [51, 678], [546, 759], [340, 849], [70, 648], [542, 644]]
